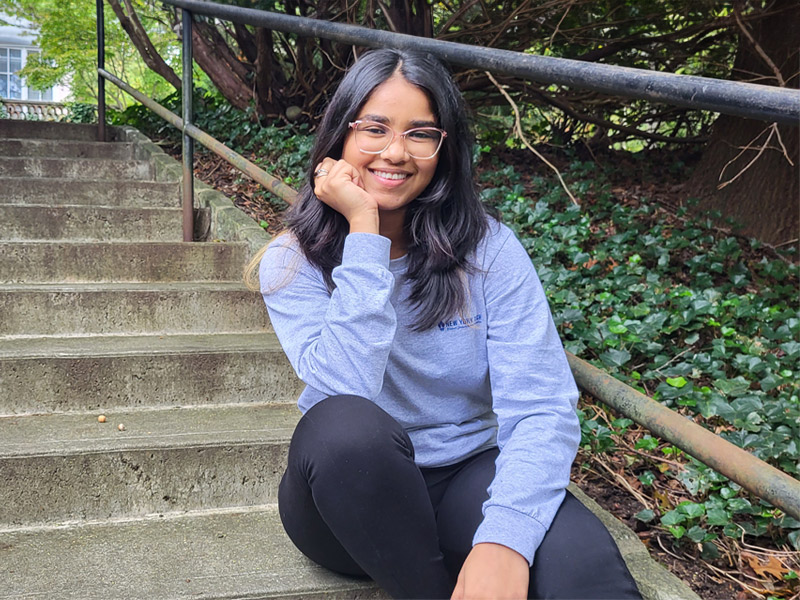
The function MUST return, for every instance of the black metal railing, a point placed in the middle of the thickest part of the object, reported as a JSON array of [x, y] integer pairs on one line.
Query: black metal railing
[[768, 103]]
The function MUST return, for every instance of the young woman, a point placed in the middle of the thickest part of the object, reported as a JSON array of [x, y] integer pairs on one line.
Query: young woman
[[439, 414]]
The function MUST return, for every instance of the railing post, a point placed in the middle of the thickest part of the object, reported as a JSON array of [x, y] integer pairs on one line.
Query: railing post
[[188, 142], [101, 64]]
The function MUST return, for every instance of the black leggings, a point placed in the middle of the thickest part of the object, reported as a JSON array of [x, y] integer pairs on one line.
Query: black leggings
[[353, 500]]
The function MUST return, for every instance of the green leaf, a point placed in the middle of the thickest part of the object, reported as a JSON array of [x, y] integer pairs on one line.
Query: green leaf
[[676, 382], [696, 534], [648, 442], [615, 325], [647, 478], [691, 339], [732, 387], [645, 515], [677, 531], [794, 539], [709, 551], [692, 510], [717, 516], [615, 358], [673, 517]]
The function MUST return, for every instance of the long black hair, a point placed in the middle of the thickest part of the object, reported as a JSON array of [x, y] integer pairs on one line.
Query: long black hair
[[443, 225]]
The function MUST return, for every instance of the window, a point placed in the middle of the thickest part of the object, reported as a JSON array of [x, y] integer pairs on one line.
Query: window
[[11, 85]]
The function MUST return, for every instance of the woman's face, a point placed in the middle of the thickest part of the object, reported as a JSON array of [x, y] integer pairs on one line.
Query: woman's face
[[393, 177]]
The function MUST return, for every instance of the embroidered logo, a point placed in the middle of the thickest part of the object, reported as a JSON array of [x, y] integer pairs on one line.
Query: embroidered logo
[[460, 323]]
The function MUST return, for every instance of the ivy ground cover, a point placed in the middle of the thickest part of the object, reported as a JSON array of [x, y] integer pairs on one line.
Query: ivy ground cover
[[697, 318]]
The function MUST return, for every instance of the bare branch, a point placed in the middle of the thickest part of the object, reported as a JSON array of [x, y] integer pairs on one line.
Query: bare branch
[[521, 135], [757, 46], [772, 128]]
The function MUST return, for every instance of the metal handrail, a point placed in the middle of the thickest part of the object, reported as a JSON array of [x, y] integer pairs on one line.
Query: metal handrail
[[752, 473], [778, 104], [763, 102], [273, 184]]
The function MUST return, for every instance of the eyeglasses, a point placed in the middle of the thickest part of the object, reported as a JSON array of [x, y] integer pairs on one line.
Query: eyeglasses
[[420, 142]]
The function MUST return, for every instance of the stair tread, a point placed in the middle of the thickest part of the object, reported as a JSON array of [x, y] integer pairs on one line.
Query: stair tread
[[237, 553], [127, 345], [87, 207], [123, 246], [35, 140], [125, 286], [54, 181], [64, 434]]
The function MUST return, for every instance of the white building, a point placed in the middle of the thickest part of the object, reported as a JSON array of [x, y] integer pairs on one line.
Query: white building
[[16, 45]]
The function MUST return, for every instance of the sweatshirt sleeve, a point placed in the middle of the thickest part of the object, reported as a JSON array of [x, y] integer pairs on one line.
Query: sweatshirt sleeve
[[337, 343], [534, 397]]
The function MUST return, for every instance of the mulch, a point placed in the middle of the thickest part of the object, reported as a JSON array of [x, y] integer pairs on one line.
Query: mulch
[[722, 581]]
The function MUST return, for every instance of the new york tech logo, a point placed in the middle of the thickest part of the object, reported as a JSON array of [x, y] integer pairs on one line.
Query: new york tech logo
[[460, 323]]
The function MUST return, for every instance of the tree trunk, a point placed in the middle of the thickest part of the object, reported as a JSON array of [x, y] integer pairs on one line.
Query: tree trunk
[[133, 27], [763, 198], [224, 78]]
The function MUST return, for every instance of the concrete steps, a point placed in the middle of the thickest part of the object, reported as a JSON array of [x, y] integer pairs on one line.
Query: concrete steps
[[111, 373], [31, 222], [238, 553], [128, 308], [66, 467], [53, 190], [45, 130], [61, 148], [83, 262], [75, 168], [104, 310]]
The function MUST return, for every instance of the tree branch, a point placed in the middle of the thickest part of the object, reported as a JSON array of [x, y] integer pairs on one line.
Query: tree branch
[[141, 41], [521, 136], [759, 50]]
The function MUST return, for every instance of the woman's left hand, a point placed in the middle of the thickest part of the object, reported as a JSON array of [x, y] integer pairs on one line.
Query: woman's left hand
[[493, 572]]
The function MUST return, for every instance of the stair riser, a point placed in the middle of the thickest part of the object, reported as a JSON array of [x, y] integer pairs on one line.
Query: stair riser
[[105, 383], [93, 193], [82, 168], [55, 262], [63, 149], [33, 313], [81, 223], [51, 489], [11, 128]]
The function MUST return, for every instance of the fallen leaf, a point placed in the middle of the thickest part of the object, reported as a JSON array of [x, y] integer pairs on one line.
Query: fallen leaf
[[663, 502], [773, 566], [589, 263]]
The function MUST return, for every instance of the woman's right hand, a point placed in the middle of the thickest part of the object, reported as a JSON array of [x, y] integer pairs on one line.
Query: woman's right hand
[[341, 189]]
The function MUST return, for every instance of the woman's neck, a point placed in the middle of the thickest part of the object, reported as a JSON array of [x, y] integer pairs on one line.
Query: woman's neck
[[391, 226]]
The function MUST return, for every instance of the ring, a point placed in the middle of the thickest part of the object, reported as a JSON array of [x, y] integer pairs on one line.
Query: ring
[[320, 172]]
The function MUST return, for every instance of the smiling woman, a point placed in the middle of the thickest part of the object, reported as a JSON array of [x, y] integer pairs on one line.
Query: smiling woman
[[384, 169], [439, 410]]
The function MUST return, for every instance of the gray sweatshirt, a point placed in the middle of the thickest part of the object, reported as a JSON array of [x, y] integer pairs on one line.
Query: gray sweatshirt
[[494, 376]]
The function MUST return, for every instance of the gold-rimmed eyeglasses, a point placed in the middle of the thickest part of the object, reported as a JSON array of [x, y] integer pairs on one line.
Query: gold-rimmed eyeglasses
[[420, 142]]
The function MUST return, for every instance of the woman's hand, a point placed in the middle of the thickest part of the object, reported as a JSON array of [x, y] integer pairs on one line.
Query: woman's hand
[[341, 189], [493, 572]]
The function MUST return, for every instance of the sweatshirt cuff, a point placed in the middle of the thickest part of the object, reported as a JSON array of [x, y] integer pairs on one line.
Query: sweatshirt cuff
[[511, 528], [366, 248]]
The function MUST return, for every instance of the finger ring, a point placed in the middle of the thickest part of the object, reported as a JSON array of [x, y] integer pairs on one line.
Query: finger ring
[[320, 172]]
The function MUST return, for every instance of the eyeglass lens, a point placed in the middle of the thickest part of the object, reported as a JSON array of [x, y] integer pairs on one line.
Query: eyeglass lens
[[374, 138]]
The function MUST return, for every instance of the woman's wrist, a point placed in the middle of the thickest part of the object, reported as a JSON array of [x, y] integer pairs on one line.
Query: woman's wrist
[[365, 222]]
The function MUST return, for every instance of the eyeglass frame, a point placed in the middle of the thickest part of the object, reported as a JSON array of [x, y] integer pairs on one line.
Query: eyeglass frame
[[352, 125]]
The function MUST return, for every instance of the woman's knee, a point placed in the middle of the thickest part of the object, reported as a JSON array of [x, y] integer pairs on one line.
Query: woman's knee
[[577, 539], [349, 430]]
